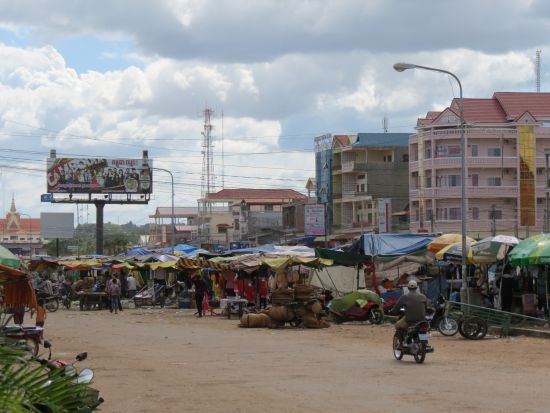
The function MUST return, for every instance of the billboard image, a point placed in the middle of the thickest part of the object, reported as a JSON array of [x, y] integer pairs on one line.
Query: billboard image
[[314, 220], [99, 175]]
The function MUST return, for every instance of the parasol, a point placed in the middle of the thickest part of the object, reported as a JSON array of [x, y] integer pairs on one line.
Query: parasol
[[531, 251], [445, 240], [453, 252], [8, 259], [492, 249]]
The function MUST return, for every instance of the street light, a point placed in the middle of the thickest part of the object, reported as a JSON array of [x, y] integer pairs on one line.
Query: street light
[[400, 67], [173, 225], [29, 236]]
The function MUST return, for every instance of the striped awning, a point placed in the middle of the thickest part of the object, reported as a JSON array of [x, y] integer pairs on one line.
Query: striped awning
[[202, 263]]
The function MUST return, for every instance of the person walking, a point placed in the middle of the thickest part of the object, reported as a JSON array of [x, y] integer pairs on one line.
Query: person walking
[[200, 291], [114, 292]]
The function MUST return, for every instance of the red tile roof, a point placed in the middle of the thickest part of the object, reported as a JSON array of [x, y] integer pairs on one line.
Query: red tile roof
[[480, 110], [239, 194], [516, 104]]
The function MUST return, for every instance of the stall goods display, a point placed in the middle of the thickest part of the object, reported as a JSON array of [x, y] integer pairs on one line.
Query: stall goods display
[[261, 320], [303, 292], [282, 296]]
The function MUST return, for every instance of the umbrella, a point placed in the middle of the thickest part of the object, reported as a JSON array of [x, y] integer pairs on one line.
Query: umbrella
[[8, 259], [531, 251], [492, 249], [445, 240], [453, 252]]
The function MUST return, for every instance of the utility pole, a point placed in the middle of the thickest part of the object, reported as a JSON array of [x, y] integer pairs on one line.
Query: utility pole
[[516, 228], [493, 221]]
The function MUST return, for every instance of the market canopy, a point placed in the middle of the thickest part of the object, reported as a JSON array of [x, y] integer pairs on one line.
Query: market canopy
[[531, 251], [346, 259], [445, 240], [390, 245], [8, 258], [196, 263], [453, 252]]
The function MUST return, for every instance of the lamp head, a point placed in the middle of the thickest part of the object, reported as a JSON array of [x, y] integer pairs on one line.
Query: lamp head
[[400, 67]]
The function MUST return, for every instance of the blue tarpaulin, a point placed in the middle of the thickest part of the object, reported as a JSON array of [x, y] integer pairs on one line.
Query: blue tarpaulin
[[390, 245], [138, 251]]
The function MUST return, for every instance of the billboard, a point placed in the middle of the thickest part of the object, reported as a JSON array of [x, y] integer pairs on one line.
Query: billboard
[[99, 175], [57, 225], [314, 220]]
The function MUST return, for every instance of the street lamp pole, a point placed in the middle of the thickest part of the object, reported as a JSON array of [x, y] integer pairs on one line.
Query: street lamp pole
[[29, 236], [400, 67], [173, 224]]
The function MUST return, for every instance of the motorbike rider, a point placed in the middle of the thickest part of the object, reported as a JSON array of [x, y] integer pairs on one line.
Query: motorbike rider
[[415, 304]]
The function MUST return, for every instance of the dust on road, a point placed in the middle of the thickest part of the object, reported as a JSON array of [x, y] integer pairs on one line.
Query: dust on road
[[169, 361]]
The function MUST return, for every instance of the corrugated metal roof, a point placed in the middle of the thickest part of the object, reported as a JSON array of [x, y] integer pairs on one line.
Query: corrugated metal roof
[[381, 140]]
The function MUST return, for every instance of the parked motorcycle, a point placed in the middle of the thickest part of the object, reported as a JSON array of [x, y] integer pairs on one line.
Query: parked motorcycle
[[89, 397], [51, 302], [31, 335], [445, 325], [369, 312], [67, 294], [415, 342]]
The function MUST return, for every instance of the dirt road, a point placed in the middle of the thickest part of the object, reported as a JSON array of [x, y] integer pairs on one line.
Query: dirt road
[[169, 361]]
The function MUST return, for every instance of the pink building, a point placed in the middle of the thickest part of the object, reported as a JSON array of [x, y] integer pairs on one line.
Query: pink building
[[506, 138]]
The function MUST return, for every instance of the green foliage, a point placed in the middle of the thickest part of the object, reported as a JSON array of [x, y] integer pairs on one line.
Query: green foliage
[[117, 238]]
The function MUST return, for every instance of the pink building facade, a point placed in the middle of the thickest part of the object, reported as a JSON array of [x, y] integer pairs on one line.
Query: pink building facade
[[506, 138]]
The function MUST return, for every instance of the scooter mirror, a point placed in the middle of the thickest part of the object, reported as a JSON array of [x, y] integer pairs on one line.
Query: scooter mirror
[[82, 356], [85, 376]]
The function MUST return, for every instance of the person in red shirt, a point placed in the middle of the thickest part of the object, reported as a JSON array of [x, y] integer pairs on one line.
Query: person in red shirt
[[263, 292]]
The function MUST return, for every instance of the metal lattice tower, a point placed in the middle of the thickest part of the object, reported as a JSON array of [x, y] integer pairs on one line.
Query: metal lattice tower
[[537, 69], [207, 178]]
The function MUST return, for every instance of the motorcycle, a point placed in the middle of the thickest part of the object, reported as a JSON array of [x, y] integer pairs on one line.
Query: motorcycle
[[67, 294], [51, 302], [445, 325], [31, 335], [415, 341], [369, 312], [89, 398]]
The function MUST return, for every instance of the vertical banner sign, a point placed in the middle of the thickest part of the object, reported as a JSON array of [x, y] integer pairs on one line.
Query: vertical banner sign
[[384, 215], [527, 200], [314, 220], [421, 178]]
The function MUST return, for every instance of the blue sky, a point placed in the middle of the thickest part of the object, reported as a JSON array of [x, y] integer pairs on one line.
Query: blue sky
[[102, 79]]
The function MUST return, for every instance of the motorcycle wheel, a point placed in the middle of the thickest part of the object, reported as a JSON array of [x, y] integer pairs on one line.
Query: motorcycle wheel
[[336, 318], [473, 328], [375, 316], [447, 326], [397, 350], [32, 345], [420, 355], [52, 305]]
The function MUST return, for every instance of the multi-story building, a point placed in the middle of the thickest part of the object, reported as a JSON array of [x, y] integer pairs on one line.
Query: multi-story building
[[358, 173], [185, 223], [506, 137], [245, 214], [21, 235]]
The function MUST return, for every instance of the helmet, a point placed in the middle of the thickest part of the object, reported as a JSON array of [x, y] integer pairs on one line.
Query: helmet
[[412, 285]]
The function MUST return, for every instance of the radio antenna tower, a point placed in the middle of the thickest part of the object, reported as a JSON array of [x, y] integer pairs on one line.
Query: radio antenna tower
[[537, 69], [207, 177]]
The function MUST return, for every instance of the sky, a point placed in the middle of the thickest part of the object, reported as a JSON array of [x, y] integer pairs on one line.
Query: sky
[[110, 78]]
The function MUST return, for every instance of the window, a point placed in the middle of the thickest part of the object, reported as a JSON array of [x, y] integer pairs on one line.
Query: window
[[428, 182], [454, 151], [454, 213], [475, 213], [429, 215], [360, 176], [453, 180], [405, 157], [222, 229], [474, 150], [268, 208], [13, 237], [495, 214], [494, 181], [428, 153], [493, 152], [475, 180]]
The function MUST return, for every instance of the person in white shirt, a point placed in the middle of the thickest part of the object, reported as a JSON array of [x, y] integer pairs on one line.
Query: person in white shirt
[[132, 285]]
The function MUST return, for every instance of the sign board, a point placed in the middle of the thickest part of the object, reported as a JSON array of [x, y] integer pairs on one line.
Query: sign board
[[384, 215], [46, 198], [72, 247], [99, 176], [314, 219], [57, 225]]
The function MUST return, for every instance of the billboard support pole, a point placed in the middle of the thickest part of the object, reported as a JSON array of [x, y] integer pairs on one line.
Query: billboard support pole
[[99, 205]]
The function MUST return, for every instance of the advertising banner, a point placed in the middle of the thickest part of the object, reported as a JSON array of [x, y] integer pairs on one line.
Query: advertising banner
[[56, 225], [384, 215], [99, 175], [314, 220], [527, 175]]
